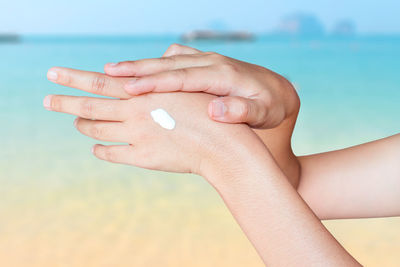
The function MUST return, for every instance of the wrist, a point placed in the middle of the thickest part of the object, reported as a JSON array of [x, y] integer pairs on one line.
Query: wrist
[[233, 159]]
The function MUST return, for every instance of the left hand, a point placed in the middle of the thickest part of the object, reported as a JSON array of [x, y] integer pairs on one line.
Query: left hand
[[250, 94]]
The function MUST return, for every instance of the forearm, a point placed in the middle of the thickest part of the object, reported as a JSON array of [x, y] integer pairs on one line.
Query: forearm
[[278, 223], [360, 181], [278, 139]]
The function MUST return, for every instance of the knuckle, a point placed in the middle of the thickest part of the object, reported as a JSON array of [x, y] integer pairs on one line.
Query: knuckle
[[65, 77], [134, 67], [180, 76], [229, 73], [95, 131], [99, 84], [208, 53], [174, 47], [214, 57], [228, 68], [110, 155], [170, 61], [267, 98], [56, 103], [244, 111], [126, 63], [87, 108], [180, 73]]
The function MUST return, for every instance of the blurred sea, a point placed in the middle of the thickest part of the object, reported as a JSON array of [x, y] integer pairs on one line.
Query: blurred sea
[[60, 206]]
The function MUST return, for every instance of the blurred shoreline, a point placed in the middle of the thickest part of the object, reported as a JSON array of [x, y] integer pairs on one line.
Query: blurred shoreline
[[177, 38]]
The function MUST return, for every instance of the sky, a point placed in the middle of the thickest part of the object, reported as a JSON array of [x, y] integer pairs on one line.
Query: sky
[[163, 16]]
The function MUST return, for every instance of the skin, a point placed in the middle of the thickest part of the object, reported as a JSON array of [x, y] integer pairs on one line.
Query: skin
[[357, 182], [275, 218], [252, 179], [261, 98], [250, 93], [267, 207], [277, 139]]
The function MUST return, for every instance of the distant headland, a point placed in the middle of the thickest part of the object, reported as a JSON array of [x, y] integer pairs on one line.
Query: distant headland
[[213, 35], [9, 38]]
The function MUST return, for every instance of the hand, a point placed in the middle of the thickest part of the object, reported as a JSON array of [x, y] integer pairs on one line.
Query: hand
[[251, 94], [276, 139], [196, 145]]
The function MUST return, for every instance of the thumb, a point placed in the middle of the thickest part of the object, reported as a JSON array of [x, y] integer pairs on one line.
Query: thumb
[[239, 110]]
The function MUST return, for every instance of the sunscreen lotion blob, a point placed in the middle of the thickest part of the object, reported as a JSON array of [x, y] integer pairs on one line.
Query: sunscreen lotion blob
[[162, 117]]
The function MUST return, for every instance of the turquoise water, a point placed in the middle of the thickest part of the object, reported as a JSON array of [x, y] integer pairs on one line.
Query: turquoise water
[[350, 93], [349, 88]]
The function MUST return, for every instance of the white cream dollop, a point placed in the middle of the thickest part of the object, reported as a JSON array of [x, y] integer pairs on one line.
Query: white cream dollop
[[162, 117]]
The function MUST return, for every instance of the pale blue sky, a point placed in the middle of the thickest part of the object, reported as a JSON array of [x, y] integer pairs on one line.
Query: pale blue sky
[[152, 16]]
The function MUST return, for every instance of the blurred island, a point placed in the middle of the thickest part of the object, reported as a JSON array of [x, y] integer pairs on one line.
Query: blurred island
[[214, 35], [309, 25], [300, 24], [344, 28], [295, 25], [9, 38]]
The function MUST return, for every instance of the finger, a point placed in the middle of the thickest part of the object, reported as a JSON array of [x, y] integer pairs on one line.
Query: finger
[[123, 154], [103, 130], [92, 82], [149, 66], [254, 112], [177, 49], [127, 154], [196, 79], [87, 107]]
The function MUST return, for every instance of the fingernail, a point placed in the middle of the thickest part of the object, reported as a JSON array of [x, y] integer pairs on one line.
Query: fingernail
[[112, 64], [93, 147], [218, 108], [52, 75], [75, 122], [131, 84], [47, 102]]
